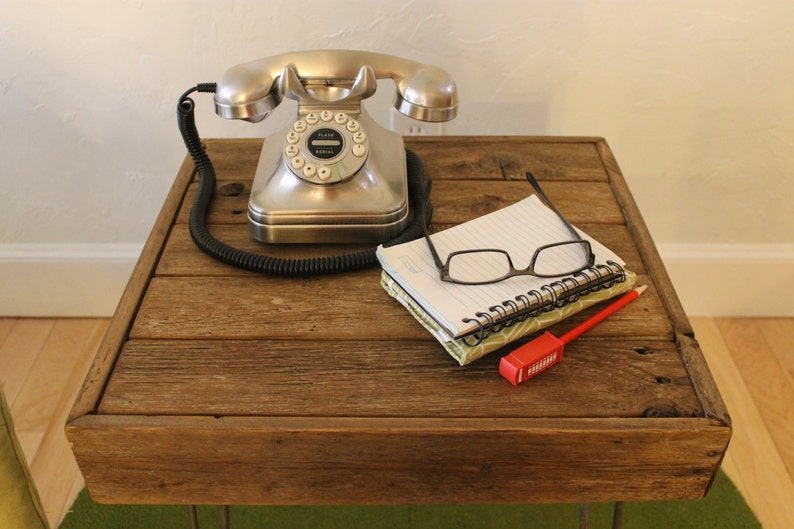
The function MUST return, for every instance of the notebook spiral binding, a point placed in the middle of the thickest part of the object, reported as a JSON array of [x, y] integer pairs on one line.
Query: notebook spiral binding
[[549, 297]]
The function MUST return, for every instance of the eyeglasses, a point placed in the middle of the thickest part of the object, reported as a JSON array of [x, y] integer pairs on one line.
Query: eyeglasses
[[491, 265]]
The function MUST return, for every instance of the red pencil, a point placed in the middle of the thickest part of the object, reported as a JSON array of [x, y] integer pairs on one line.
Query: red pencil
[[543, 352]]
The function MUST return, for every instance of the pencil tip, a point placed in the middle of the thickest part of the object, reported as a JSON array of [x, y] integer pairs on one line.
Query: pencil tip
[[641, 289]]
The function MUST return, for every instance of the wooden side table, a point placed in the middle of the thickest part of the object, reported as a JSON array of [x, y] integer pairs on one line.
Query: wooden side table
[[215, 385]]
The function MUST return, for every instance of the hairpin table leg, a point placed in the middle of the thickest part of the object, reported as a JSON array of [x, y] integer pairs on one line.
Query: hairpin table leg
[[583, 516], [224, 516], [193, 516], [617, 515]]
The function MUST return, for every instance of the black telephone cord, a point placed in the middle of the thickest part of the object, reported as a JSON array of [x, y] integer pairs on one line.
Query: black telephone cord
[[266, 264]]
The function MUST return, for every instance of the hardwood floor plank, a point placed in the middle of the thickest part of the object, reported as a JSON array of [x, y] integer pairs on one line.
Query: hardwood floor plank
[[766, 380], [757, 467], [30, 443], [779, 334], [19, 352], [50, 359], [74, 373], [54, 471], [44, 388], [77, 486], [62, 470], [6, 324]]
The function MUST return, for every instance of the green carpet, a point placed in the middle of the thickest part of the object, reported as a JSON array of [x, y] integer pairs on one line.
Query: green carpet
[[724, 508]]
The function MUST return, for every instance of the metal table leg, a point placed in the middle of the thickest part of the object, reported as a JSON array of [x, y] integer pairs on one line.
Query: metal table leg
[[193, 516], [617, 516], [584, 515]]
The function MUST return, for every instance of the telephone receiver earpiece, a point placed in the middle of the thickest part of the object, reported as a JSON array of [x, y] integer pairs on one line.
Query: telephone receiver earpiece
[[250, 91]]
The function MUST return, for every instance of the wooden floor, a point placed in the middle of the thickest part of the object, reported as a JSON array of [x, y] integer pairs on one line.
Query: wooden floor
[[43, 362]]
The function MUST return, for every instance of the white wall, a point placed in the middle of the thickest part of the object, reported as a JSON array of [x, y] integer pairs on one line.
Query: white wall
[[693, 96]]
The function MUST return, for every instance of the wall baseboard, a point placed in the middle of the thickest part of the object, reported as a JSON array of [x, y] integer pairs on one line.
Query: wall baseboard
[[74, 280], [64, 280], [748, 280]]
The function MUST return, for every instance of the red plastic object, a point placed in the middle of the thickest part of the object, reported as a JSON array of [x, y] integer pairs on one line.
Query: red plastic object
[[531, 358], [546, 350]]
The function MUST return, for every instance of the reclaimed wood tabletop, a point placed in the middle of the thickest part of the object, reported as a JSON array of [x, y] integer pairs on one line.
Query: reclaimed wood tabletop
[[217, 385]]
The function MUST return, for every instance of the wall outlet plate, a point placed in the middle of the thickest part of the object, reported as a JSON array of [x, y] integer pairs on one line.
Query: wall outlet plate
[[405, 126]]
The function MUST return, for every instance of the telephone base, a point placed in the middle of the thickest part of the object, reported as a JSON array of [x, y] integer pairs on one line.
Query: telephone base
[[368, 203], [319, 233]]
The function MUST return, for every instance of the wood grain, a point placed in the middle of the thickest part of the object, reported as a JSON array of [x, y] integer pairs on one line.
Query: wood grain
[[349, 378], [319, 460], [216, 385], [509, 157], [752, 460], [454, 201], [20, 348], [343, 306], [180, 257], [110, 347], [759, 373], [47, 361]]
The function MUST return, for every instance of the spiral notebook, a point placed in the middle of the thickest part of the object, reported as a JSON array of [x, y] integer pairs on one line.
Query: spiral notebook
[[473, 320]]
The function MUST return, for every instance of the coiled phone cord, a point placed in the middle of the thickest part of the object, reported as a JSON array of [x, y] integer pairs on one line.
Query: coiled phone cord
[[265, 264]]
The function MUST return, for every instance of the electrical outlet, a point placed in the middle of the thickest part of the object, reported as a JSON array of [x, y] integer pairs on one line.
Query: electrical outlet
[[405, 126]]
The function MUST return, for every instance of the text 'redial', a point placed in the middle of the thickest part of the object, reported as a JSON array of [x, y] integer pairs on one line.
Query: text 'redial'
[[326, 147]]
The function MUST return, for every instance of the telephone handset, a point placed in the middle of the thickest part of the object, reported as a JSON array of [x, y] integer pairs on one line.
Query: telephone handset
[[334, 174]]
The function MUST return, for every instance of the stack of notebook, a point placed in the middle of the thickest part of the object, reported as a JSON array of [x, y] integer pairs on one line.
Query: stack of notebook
[[471, 321]]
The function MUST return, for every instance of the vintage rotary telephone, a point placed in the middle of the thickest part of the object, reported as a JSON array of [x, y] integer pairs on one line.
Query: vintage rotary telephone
[[334, 175]]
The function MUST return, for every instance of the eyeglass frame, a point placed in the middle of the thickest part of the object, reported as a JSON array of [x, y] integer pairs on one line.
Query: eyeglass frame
[[443, 267]]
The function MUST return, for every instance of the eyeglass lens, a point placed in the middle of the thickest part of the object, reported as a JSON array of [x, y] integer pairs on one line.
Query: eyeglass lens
[[484, 266]]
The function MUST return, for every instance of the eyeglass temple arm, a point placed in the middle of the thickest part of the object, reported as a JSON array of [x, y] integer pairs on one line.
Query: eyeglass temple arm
[[422, 209], [539, 191]]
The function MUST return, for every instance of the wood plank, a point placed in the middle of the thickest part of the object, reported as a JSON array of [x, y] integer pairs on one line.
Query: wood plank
[[42, 393], [315, 460], [72, 371], [778, 334], [55, 354], [77, 487], [19, 351], [181, 257], [325, 393], [6, 324], [232, 157], [766, 379], [105, 357], [353, 379], [454, 201], [509, 158], [506, 157], [702, 382], [336, 307], [54, 470], [755, 464], [54, 462], [736, 455]]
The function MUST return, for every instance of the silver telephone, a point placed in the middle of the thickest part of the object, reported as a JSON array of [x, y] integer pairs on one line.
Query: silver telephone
[[334, 175]]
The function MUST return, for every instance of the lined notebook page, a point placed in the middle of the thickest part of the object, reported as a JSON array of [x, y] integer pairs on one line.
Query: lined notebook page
[[519, 229]]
